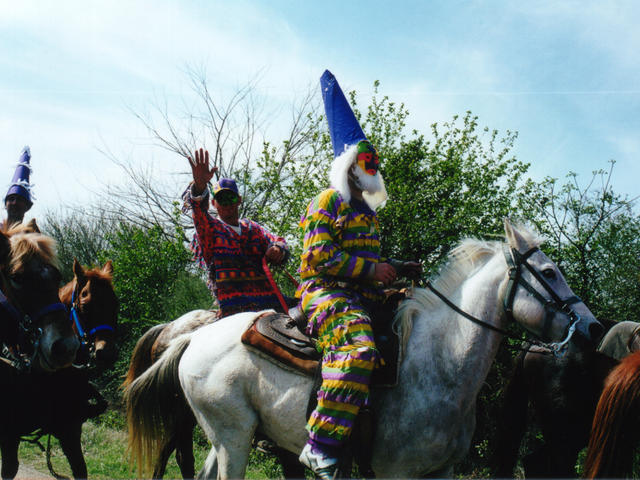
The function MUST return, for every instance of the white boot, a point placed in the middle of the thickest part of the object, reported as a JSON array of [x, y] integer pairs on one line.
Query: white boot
[[323, 466]]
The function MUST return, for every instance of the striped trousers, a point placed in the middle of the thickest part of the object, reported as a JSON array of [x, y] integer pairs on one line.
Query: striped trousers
[[345, 339]]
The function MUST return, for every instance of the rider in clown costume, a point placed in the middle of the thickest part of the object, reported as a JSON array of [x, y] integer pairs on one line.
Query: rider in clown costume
[[342, 271]]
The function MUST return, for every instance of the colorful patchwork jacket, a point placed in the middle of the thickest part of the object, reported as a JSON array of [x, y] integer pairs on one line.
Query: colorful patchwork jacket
[[341, 246], [234, 261]]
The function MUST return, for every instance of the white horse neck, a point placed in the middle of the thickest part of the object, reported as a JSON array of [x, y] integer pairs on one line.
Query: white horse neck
[[443, 341]]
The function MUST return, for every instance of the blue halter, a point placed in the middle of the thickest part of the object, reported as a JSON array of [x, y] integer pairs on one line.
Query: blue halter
[[74, 317]]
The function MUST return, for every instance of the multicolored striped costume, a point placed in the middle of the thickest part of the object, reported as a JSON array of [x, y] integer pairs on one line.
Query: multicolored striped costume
[[341, 248], [234, 261]]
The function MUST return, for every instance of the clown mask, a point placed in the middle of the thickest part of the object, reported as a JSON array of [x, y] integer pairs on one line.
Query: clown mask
[[367, 158]]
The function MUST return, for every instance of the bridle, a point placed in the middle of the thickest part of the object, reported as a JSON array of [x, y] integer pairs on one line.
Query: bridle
[[28, 330], [87, 343], [515, 261]]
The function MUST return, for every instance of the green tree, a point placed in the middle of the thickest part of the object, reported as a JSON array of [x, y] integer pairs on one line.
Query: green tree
[[593, 234], [78, 235], [155, 283], [461, 183]]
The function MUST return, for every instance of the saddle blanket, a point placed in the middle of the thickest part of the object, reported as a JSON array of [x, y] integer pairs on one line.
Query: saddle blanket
[[277, 337]]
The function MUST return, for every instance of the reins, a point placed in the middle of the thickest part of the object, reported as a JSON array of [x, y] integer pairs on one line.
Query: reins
[[274, 285], [515, 260], [34, 439]]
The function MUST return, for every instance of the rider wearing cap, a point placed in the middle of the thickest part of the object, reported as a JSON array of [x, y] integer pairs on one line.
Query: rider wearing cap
[[230, 248], [18, 199], [341, 272]]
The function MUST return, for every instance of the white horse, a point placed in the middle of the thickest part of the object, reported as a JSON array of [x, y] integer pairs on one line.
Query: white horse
[[424, 425]]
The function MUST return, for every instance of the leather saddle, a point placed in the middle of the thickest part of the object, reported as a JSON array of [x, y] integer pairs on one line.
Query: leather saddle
[[280, 338]]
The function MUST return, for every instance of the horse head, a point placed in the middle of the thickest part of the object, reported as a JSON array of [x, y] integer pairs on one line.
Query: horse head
[[538, 296], [94, 310], [35, 322]]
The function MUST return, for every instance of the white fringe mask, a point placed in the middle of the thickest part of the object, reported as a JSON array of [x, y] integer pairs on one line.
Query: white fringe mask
[[374, 191]]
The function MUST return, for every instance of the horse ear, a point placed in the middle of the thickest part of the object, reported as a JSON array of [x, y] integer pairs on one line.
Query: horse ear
[[78, 271], [108, 268], [514, 237], [33, 226]]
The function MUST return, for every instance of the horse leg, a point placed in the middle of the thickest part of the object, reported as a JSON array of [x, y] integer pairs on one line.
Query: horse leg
[[70, 442], [163, 458], [514, 418], [537, 464], [230, 436], [9, 451], [291, 466], [184, 449]]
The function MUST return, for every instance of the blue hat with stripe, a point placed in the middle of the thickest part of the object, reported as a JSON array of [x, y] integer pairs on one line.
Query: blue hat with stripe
[[343, 125]]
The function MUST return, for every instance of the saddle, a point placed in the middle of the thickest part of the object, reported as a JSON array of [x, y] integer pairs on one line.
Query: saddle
[[280, 338]]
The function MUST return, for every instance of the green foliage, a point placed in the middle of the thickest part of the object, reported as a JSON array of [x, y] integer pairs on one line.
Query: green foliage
[[145, 264], [595, 240], [154, 284], [79, 236], [463, 183]]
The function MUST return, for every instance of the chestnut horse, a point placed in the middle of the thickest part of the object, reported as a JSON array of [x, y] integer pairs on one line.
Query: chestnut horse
[[616, 424], [93, 307], [93, 313]]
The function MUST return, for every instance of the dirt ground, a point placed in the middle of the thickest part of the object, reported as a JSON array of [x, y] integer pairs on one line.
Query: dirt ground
[[25, 472]]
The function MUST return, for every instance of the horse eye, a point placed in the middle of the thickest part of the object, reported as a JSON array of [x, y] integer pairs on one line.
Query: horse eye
[[549, 273]]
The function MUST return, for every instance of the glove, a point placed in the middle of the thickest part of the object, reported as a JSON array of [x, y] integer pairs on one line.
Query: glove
[[409, 270]]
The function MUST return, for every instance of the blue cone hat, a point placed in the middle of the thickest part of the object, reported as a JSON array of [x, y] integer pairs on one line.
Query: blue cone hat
[[346, 133], [20, 184], [343, 125]]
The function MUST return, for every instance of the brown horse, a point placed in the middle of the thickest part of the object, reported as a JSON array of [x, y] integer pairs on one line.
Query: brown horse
[[560, 395], [93, 308], [33, 327], [35, 331], [614, 434]]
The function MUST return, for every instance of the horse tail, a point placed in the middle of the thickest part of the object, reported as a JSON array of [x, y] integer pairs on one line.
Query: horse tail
[[151, 401], [513, 421], [614, 432], [142, 357]]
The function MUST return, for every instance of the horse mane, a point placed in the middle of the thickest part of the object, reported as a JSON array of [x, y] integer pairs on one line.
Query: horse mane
[[25, 246], [614, 432], [462, 261]]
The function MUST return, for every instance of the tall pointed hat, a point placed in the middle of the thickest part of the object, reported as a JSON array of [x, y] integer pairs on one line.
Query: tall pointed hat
[[20, 184], [343, 124], [346, 133]]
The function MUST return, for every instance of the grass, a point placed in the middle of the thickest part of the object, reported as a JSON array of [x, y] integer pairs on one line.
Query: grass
[[104, 447]]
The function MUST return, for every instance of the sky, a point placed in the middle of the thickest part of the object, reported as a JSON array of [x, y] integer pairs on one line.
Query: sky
[[564, 75]]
